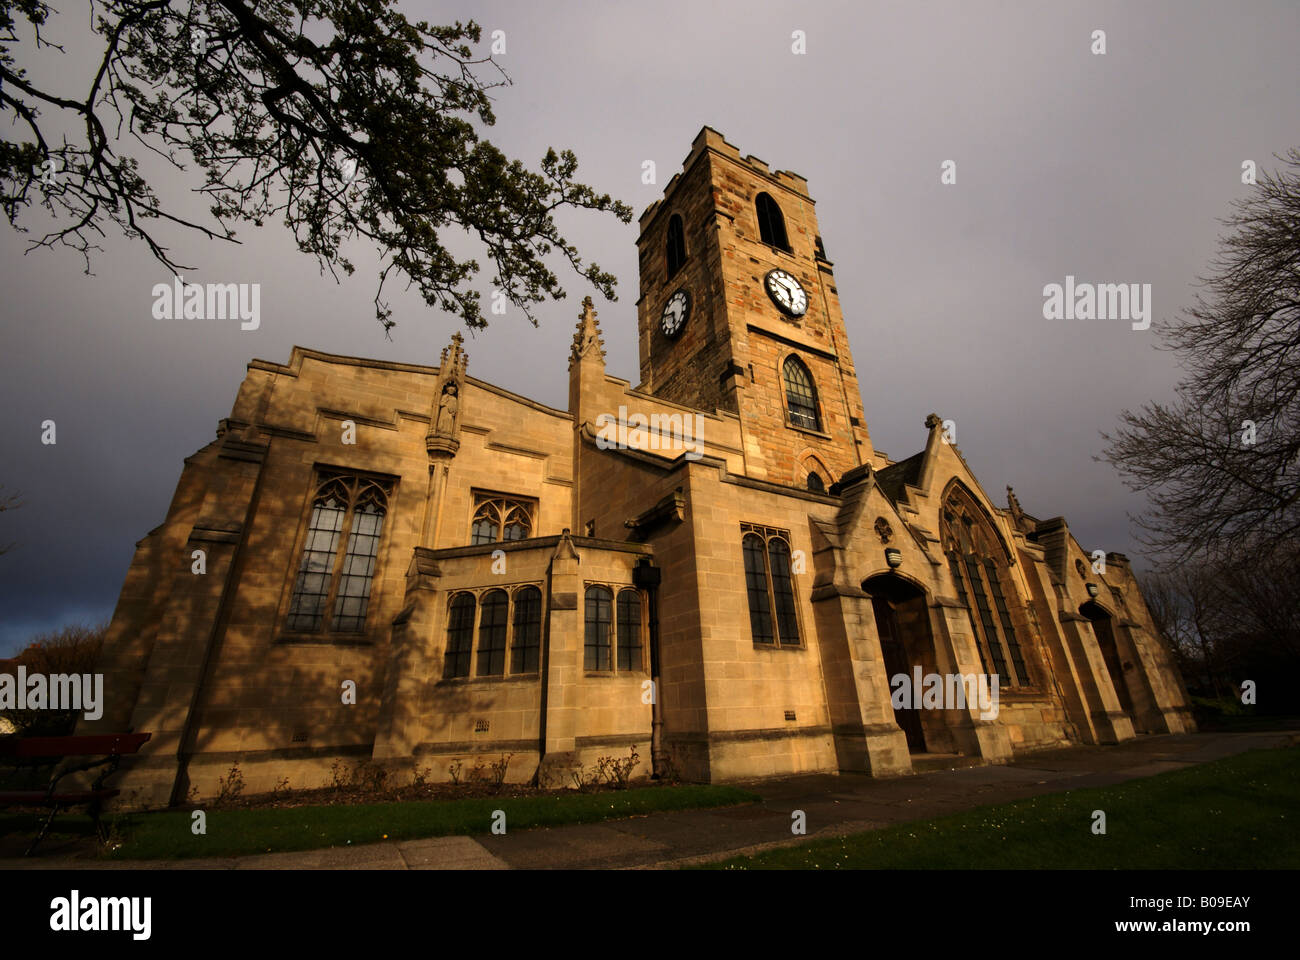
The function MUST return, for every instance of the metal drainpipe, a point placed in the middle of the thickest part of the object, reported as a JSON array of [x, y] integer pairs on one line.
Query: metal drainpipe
[[647, 577]]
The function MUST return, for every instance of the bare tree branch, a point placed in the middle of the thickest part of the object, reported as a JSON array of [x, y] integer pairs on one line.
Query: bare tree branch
[[1221, 463], [370, 131]]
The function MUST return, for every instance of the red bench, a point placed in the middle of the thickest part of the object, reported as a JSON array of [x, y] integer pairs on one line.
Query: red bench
[[106, 750]]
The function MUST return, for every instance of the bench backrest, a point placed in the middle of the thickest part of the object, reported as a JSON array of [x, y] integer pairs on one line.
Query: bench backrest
[[100, 744]]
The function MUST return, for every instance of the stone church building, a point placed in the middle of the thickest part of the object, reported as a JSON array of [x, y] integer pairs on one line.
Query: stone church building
[[402, 564]]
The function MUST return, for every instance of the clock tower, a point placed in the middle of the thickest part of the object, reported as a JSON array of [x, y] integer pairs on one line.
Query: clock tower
[[739, 312]]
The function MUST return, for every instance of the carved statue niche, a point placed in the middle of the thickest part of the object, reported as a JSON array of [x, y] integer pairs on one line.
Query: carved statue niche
[[443, 437], [448, 407]]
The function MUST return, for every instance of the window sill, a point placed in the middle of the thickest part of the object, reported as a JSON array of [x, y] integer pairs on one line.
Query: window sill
[[506, 678], [809, 431], [610, 674], [779, 646], [332, 639], [775, 249]]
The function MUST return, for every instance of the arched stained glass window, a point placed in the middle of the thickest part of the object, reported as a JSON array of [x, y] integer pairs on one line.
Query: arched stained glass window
[[460, 635], [1004, 616], [500, 518], [676, 245], [778, 554], [760, 607], [769, 585], [596, 645], [979, 572], [976, 584], [629, 630], [954, 568], [315, 574], [339, 554], [800, 395], [771, 224], [524, 653], [492, 634], [484, 529]]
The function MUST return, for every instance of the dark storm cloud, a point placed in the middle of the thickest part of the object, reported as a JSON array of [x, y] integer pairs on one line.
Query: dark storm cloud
[[1109, 168]]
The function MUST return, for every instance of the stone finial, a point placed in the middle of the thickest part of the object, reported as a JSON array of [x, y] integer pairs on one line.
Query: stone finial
[[565, 550], [454, 356], [587, 341], [932, 421], [1018, 518]]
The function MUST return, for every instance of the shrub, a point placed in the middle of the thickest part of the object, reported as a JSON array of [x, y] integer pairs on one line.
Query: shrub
[[585, 782], [621, 770], [499, 769], [230, 786], [339, 775], [370, 777]]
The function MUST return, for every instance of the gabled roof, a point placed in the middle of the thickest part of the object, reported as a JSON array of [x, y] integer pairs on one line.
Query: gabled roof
[[893, 478]]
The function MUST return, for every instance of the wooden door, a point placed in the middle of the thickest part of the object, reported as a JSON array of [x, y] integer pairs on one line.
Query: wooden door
[[895, 656]]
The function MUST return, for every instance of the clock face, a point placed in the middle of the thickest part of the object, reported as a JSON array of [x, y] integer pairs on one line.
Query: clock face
[[676, 312], [786, 292]]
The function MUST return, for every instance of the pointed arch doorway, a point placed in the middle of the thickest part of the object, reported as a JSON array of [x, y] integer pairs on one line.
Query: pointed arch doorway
[[903, 625], [1105, 634]]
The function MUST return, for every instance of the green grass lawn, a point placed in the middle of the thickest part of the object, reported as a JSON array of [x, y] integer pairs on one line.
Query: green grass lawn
[[168, 834], [1239, 813]]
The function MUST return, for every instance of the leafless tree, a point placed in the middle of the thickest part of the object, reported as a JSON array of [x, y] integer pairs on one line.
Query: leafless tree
[[1182, 604], [1233, 618], [1221, 463]]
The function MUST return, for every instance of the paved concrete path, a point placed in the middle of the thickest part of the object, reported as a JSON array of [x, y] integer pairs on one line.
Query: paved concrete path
[[834, 805]]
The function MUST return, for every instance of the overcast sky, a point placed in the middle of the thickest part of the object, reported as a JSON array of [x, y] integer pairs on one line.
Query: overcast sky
[[1113, 169]]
